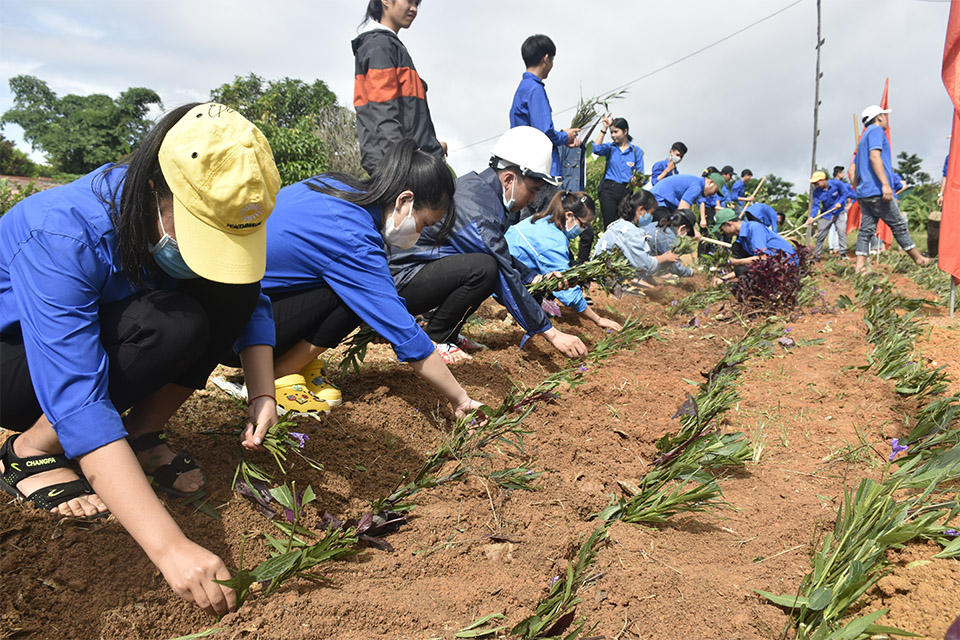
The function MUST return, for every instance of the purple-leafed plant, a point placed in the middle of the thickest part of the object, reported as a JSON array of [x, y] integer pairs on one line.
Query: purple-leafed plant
[[774, 282]]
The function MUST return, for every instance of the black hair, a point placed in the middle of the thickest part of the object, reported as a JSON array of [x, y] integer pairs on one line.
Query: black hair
[[640, 198], [745, 173], [727, 170], [535, 47], [135, 216], [664, 217], [375, 11], [685, 218], [621, 123], [578, 203], [679, 146], [403, 167], [709, 170], [837, 170]]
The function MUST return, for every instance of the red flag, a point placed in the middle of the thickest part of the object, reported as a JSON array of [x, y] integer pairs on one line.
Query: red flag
[[883, 231], [853, 215], [949, 259]]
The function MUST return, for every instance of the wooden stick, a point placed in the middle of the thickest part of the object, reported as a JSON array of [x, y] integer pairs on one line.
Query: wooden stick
[[717, 242], [754, 194], [804, 226]]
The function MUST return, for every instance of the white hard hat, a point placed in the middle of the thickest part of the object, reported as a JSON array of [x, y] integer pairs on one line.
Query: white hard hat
[[528, 149], [872, 112]]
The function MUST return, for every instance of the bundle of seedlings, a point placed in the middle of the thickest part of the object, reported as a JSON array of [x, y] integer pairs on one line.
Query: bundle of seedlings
[[587, 112], [772, 284], [608, 269]]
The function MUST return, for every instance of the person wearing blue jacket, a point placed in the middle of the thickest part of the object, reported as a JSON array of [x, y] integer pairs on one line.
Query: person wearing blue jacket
[[681, 191], [519, 167], [327, 269], [754, 242], [829, 201], [542, 243], [120, 293], [531, 107], [738, 190]]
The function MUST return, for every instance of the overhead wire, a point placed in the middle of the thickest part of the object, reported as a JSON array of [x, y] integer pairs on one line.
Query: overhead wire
[[664, 67]]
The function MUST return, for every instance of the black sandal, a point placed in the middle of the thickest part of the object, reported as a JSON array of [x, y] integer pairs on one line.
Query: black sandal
[[163, 477], [17, 469]]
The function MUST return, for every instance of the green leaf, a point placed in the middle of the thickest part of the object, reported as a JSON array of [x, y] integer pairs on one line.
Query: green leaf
[[788, 601], [819, 599], [277, 566]]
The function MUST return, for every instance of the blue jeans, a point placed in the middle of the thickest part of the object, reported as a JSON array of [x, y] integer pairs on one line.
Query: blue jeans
[[876, 208]]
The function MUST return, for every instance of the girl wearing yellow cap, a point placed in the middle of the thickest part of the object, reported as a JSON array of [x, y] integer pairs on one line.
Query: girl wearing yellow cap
[[120, 293]]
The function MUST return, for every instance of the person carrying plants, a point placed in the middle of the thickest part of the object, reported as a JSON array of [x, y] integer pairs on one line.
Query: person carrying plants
[[389, 96], [519, 167], [531, 107], [542, 243], [623, 161], [754, 241], [872, 177], [829, 201], [327, 271], [668, 167], [121, 292], [681, 191]]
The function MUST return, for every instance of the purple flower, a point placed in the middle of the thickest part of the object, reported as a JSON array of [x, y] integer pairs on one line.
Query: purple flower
[[417, 410], [897, 448], [553, 580], [301, 438], [582, 368], [950, 532], [786, 329]]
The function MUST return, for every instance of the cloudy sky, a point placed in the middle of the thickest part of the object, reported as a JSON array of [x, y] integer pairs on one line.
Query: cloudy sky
[[734, 80]]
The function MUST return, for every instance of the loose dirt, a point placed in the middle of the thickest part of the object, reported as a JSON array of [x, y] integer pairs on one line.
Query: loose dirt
[[471, 548]]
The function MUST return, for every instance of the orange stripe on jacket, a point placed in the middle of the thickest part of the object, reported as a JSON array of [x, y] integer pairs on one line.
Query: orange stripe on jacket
[[384, 85]]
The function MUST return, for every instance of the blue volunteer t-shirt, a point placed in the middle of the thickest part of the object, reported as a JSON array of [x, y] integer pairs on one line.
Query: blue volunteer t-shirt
[[621, 164], [757, 239], [764, 213], [868, 183], [827, 198], [672, 190]]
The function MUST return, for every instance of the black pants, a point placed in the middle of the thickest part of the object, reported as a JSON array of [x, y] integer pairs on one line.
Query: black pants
[[151, 339], [611, 195], [737, 251], [455, 286]]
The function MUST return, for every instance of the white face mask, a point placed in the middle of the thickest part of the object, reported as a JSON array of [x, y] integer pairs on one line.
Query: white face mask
[[404, 235], [513, 187], [676, 158]]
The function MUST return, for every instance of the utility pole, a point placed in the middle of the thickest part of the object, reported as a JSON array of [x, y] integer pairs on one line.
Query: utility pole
[[816, 115]]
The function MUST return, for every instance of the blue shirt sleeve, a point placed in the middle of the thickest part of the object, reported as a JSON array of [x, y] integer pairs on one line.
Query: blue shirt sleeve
[[260, 328], [361, 278], [57, 282], [541, 116], [692, 192], [639, 160], [602, 149]]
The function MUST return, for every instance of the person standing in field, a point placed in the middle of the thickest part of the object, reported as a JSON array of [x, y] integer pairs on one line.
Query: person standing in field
[[389, 95], [830, 199], [872, 176], [531, 108]]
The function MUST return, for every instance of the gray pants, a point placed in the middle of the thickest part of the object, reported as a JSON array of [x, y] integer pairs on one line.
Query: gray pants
[[873, 209], [823, 230]]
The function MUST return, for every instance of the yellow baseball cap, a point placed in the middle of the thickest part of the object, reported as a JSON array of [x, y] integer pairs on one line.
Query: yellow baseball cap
[[818, 176], [220, 169]]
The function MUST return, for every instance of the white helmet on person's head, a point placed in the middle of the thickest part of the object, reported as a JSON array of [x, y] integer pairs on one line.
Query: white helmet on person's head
[[528, 149]]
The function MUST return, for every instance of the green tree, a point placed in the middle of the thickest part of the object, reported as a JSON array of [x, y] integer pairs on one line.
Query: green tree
[[302, 121], [280, 102], [14, 162], [908, 166], [79, 133]]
